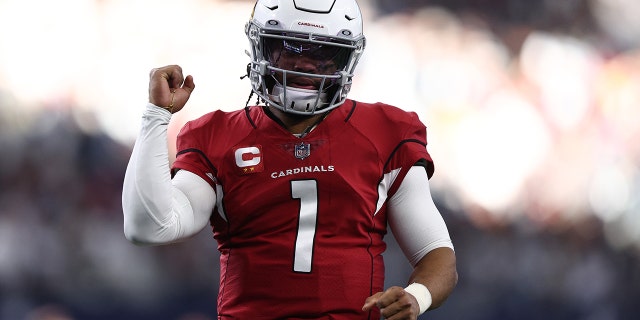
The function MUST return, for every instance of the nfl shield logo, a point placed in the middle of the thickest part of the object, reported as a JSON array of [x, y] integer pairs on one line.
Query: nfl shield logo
[[302, 150]]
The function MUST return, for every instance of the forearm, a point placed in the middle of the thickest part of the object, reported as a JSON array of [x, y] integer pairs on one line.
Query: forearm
[[437, 271], [156, 209]]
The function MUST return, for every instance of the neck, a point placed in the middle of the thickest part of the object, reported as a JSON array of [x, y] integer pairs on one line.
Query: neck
[[296, 124]]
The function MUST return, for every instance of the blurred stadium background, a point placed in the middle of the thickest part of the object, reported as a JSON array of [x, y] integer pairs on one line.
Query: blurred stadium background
[[533, 117]]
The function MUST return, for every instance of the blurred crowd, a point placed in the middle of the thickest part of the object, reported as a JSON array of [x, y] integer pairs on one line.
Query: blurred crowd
[[532, 115]]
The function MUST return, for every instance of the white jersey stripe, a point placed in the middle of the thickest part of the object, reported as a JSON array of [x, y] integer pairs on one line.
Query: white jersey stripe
[[383, 187]]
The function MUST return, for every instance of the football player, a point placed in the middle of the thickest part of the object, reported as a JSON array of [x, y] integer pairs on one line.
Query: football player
[[299, 190]]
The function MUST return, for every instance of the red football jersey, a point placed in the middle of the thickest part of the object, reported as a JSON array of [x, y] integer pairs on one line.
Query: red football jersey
[[300, 221]]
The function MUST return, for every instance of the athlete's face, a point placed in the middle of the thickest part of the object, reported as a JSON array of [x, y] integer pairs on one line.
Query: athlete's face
[[305, 57]]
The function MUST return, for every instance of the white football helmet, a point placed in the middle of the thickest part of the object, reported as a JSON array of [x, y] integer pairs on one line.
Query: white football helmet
[[304, 52]]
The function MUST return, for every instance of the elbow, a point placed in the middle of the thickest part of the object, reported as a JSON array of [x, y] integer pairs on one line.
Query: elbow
[[135, 239], [136, 236], [140, 230]]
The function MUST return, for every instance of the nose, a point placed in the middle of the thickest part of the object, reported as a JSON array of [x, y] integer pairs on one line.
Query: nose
[[305, 64]]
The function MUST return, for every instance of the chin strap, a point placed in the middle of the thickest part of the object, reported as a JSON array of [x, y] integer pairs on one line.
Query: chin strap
[[248, 71]]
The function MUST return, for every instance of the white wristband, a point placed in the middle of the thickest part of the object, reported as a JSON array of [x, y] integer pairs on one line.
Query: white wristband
[[422, 294]]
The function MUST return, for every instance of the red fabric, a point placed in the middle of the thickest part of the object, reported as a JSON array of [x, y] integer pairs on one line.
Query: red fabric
[[262, 184]]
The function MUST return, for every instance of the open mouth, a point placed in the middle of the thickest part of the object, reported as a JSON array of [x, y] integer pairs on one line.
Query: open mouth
[[303, 83]]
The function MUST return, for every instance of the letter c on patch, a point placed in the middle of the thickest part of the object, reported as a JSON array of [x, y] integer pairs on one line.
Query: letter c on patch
[[247, 157]]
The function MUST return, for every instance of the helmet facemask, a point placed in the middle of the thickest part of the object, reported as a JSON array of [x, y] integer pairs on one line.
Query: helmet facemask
[[301, 73], [305, 76]]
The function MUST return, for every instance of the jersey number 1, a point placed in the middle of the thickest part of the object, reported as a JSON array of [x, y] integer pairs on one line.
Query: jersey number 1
[[307, 192]]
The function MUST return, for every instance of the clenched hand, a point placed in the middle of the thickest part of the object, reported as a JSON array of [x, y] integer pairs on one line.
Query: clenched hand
[[169, 89]]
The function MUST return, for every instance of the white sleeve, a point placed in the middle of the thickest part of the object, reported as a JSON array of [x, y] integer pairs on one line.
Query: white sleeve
[[414, 219], [156, 208]]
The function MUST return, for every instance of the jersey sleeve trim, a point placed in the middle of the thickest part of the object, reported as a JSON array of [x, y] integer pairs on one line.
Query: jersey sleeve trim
[[198, 151], [428, 164]]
